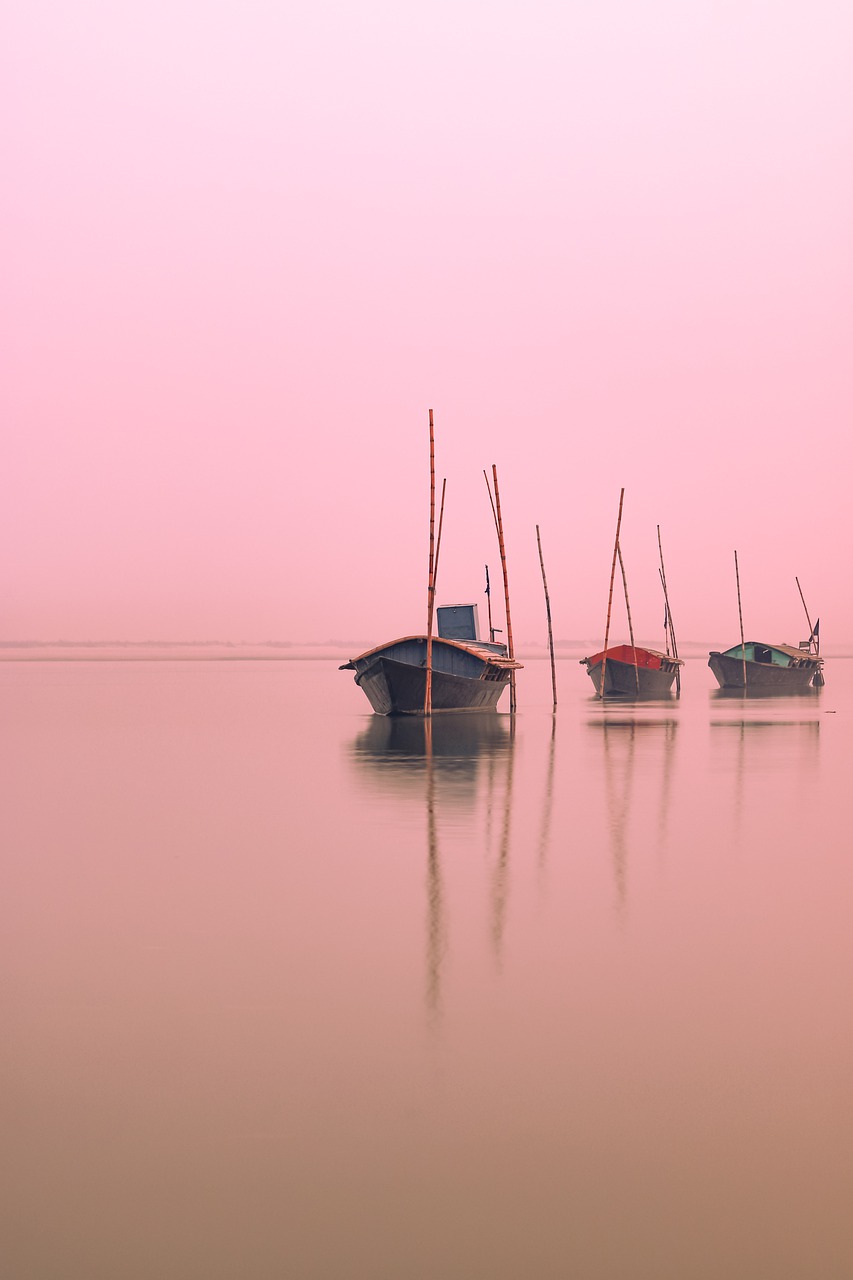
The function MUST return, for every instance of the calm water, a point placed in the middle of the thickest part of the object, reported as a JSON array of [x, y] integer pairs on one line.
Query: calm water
[[290, 991]]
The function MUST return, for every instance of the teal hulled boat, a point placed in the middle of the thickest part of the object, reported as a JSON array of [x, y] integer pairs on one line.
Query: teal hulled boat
[[767, 667]]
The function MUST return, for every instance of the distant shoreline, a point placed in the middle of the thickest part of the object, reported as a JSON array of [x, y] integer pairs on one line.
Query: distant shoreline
[[80, 652]]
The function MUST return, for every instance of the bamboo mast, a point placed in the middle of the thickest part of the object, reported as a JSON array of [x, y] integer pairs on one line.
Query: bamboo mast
[[610, 597], [496, 512], [548, 614], [669, 615], [665, 615], [431, 586], [740, 618], [630, 625]]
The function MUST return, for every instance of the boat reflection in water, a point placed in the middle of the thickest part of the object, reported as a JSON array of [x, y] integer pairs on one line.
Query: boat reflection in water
[[755, 692], [457, 763], [629, 742], [766, 750], [455, 742]]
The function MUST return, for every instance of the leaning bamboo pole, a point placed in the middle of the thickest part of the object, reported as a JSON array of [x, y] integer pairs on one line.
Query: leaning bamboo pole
[[630, 624], [740, 618], [496, 512], [438, 537], [669, 615], [808, 619], [548, 615], [610, 597], [665, 614], [431, 586], [819, 678], [509, 645]]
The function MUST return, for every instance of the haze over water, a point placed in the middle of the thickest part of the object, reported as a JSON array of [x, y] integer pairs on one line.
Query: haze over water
[[292, 990]]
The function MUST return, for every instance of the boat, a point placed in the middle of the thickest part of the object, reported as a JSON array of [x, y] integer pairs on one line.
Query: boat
[[627, 670], [450, 668], [468, 674], [631, 671], [768, 667]]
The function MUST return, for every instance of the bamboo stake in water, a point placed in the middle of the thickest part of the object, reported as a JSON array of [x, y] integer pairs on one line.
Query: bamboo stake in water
[[630, 625], [548, 614], [496, 512], [740, 618], [669, 615], [431, 586], [610, 597]]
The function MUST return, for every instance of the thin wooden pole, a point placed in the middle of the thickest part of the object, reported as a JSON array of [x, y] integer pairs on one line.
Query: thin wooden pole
[[431, 586], [740, 617], [438, 538], [665, 614], [610, 597], [669, 615], [496, 512], [630, 624], [818, 680], [808, 619], [548, 614], [491, 499], [510, 649]]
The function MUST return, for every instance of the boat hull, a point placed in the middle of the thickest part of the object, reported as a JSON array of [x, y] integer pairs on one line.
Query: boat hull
[[465, 677], [622, 679], [632, 672], [765, 676], [395, 688]]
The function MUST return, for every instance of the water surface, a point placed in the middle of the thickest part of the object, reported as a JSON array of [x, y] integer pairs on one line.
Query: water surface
[[293, 990]]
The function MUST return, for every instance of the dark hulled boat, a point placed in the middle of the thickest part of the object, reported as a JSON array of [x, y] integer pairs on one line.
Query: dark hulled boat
[[767, 667], [467, 674], [627, 670], [632, 672]]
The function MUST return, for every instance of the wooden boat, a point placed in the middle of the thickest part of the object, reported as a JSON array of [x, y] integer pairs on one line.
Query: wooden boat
[[468, 674], [767, 667], [632, 672], [626, 670]]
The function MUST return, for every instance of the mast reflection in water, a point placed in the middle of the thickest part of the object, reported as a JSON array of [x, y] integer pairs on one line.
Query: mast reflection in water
[[455, 762], [624, 739], [764, 751]]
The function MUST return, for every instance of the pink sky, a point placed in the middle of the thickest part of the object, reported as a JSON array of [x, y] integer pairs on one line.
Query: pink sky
[[249, 245]]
